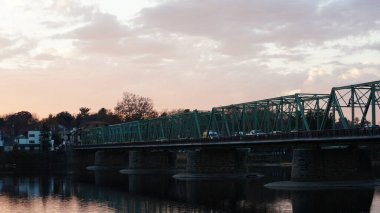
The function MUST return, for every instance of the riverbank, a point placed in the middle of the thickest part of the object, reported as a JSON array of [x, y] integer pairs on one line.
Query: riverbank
[[34, 162]]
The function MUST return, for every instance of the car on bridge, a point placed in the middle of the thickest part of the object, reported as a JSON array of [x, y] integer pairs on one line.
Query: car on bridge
[[210, 134], [257, 133], [372, 126], [161, 139], [239, 134], [275, 133]]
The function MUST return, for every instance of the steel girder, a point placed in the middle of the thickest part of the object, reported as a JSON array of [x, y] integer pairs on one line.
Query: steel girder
[[92, 136], [286, 113], [361, 101], [181, 126]]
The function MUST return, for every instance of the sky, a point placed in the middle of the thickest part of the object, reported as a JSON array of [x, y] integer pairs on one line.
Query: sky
[[65, 54]]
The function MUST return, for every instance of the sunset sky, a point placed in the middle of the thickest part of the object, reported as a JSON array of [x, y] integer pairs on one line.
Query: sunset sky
[[62, 55]]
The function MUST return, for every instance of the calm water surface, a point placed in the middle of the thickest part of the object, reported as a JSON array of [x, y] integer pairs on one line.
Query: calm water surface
[[106, 192]]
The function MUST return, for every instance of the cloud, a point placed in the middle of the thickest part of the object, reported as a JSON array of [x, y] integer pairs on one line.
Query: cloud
[[190, 54], [292, 92], [314, 75], [105, 34], [351, 74], [256, 22], [62, 3], [281, 37], [101, 27], [45, 57], [16, 48], [236, 54], [54, 24], [4, 42], [340, 75]]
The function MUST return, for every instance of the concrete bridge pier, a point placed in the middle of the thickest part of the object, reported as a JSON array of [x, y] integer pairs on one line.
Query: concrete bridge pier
[[331, 164], [110, 160], [106, 166], [215, 164], [151, 162], [78, 161]]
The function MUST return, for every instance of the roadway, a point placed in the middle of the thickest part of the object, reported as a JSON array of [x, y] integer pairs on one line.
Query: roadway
[[336, 138]]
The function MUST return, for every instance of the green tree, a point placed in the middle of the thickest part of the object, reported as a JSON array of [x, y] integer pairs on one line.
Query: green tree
[[65, 119], [20, 123], [84, 111], [57, 139], [51, 121], [45, 137], [83, 116], [135, 107], [173, 112], [2, 122], [105, 115]]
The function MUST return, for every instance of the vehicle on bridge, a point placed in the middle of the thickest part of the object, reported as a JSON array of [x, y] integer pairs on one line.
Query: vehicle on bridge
[[239, 133], [369, 127], [296, 130], [275, 133], [162, 139], [257, 133], [210, 134]]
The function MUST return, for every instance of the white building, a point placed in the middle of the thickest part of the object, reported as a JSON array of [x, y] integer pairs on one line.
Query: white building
[[32, 142]]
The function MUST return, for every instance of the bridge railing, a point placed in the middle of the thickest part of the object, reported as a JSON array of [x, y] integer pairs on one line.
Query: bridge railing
[[354, 132], [337, 133]]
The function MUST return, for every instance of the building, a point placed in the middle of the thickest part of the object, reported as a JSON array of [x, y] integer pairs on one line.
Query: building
[[32, 142]]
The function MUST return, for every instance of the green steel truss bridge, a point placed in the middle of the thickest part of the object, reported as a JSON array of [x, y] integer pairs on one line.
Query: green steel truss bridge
[[347, 111]]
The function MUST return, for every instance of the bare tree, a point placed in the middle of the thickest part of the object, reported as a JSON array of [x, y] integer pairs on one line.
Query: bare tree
[[134, 107]]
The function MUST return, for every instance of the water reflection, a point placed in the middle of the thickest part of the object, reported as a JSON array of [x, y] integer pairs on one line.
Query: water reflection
[[42, 194], [375, 207], [358, 200], [158, 186], [53, 194], [109, 178], [157, 193]]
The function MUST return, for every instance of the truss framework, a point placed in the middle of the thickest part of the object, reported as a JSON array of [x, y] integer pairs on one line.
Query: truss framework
[[181, 126], [301, 111], [353, 106], [286, 113]]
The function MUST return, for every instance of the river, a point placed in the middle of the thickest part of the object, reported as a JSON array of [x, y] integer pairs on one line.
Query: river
[[104, 193]]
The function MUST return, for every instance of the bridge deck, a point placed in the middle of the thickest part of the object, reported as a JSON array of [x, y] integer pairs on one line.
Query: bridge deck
[[337, 137]]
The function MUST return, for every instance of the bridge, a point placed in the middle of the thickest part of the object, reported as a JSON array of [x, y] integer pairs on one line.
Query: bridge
[[215, 138], [294, 113]]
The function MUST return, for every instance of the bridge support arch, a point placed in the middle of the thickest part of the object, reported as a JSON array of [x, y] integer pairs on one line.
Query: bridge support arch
[[329, 167], [151, 162], [215, 164], [106, 166], [331, 164], [78, 162], [110, 160]]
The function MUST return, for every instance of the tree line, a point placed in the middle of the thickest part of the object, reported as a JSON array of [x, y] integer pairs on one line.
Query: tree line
[[131, 107]]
